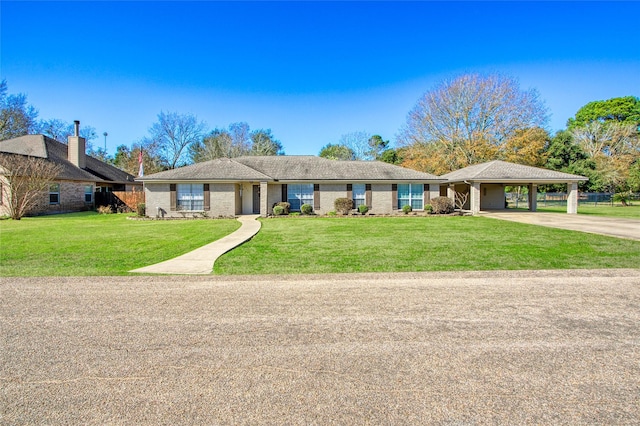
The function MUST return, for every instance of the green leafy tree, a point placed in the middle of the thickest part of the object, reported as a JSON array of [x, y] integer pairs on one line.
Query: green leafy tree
[[609, 133], [625, 110], [377, 146], [566, 156], [337, 152], [391, 156]]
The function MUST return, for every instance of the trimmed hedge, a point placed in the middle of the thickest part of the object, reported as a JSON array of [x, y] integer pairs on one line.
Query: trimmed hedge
[[306, 209], [343, 205], [442, 205], [285, 206]]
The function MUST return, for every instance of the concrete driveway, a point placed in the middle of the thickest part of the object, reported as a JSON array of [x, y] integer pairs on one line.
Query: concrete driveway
[[614, 227], [538, 347]]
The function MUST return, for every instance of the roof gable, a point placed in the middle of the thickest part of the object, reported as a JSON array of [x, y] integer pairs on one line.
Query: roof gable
[[45, 147], [505, 171]]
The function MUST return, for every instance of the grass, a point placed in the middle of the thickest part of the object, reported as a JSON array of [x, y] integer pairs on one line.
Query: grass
[[631, 212], [335, 245], [91, 244]]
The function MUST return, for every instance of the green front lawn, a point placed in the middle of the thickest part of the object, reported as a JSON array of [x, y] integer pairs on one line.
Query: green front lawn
[[92, 244], [330, 245], [617, 210]]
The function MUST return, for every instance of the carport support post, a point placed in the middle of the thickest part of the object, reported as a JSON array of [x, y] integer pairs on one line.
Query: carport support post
[[533, 197], [264, 198], [572, 197], [474, 188], [451, 192]]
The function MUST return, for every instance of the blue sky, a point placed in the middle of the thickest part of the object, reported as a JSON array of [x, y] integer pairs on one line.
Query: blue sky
[[309, 71]]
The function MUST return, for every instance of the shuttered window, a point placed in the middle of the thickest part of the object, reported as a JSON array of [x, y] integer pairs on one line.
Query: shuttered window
[[358, 194], [299, 194], [411, 194], [190, 197]]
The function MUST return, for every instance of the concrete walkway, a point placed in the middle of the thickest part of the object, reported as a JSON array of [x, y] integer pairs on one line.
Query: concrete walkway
[[200, 261], [613, 227]]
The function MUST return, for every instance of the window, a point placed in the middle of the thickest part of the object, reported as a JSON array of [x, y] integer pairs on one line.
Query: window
[[411, 194], [299, 194], [54, 193], [88, 194], [358, 193], [190, 197]]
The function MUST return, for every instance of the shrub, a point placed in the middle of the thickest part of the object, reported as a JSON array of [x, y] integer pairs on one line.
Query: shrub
[[286, 206], [306, 209], [142, 209], [363, 209], [331, 213], [622, 198], [343, 205], [278, 210], [104, 210], [428, 208], [442, 205], [406, 209]]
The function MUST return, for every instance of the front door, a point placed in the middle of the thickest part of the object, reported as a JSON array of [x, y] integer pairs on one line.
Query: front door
[[256, 199]]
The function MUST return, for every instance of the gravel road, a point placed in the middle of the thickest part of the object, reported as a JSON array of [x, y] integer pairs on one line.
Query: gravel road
[[522, 347]]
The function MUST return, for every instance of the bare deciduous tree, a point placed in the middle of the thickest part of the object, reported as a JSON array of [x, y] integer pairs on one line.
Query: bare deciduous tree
[[358, 142], [17, 117], [461, 199], [470, 117], [26, 178], [173, 133], [597, 138]]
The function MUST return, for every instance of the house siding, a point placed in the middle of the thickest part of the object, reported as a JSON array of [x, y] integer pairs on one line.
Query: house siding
[[274, 196], [328, 194], [381, 199], [71, 199], [492, 197]]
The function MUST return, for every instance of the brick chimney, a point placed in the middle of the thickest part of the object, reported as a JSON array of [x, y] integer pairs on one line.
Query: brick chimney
[[76, 147]]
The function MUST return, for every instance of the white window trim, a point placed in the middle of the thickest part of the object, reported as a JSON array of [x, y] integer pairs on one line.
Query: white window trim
[[295, 189], [411, 198], [54, 192], [189, 197]]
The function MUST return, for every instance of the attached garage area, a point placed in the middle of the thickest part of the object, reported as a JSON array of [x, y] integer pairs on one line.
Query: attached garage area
[[483, 185]]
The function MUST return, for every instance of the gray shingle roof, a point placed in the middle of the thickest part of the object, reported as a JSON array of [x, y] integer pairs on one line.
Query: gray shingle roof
[[45, 147], [218, 169], [291, 168], [503, 171]]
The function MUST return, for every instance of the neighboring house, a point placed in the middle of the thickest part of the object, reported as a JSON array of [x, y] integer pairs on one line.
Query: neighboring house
[[80, 178], [485, 184], [253, 185]]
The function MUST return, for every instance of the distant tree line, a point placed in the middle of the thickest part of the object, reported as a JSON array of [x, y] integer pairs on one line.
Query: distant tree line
[[462, 121]]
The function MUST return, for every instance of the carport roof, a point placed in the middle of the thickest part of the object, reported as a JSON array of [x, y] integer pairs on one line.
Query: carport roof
[[505, 172]]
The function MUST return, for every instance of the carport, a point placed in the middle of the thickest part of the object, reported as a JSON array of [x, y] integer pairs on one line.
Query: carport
[[485, 184]]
